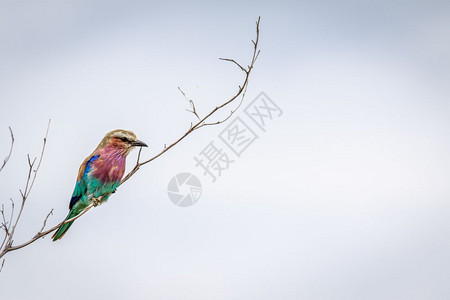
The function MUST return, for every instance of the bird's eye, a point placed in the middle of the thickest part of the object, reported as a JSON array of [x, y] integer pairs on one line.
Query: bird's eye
[[124, 139]]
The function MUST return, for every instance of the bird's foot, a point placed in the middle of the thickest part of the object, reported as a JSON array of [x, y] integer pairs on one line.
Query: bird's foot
[[96, 201]]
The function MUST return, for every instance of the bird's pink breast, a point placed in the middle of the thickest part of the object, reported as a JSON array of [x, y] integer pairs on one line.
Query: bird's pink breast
[[110, 166]]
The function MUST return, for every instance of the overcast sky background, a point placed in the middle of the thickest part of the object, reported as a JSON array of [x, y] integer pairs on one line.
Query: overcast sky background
[[345, 196]]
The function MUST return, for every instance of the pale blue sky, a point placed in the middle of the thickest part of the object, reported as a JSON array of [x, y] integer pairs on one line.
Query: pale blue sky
[[346, 196]]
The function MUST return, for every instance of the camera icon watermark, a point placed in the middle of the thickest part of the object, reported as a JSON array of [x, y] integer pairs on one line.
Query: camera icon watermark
[[184, 189]]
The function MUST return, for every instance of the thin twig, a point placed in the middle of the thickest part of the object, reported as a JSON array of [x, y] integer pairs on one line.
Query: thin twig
[[10, 150], [45, 220], [231, 112], [233, 61], [7, 228], [192, 110]]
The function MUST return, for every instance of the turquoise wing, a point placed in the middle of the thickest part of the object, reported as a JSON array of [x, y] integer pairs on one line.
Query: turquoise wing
[[82, 180]]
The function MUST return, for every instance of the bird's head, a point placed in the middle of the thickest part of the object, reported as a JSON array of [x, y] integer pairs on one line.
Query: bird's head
[[122, 140]]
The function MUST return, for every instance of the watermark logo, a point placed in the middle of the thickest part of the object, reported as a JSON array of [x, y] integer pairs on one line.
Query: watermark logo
[[184, 189]]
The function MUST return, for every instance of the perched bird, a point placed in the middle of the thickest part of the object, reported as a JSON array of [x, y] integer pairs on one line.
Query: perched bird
[[100, 173]]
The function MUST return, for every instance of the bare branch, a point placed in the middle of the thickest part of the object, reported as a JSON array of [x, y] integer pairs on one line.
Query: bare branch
[[6, 226], [31, 177], [43, 233], [30, 180], [34, 165], [231, 112], [241, 92], [10, 150]]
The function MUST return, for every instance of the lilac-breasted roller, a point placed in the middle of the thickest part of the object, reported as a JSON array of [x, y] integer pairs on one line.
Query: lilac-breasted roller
[[100, 173]]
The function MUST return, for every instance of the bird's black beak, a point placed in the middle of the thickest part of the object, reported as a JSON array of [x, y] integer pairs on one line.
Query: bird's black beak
[[138, 143]]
